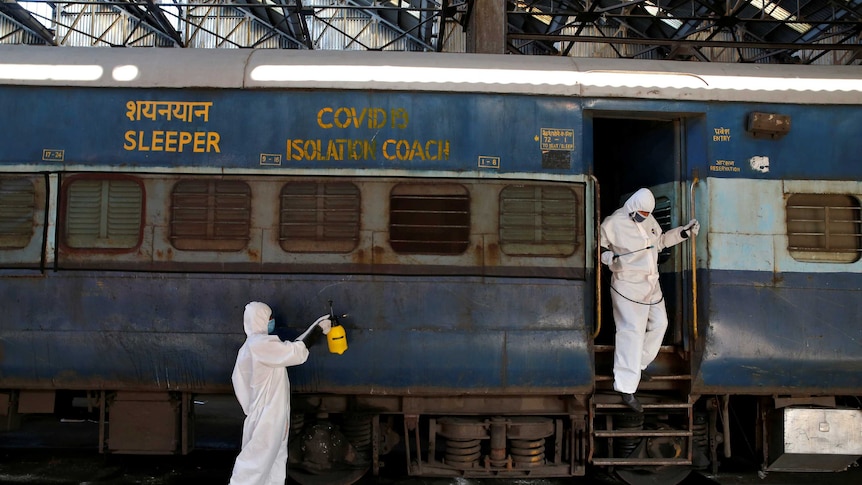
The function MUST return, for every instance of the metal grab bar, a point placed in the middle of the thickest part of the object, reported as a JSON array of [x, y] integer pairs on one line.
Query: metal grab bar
[[693, 262], [598, 272]]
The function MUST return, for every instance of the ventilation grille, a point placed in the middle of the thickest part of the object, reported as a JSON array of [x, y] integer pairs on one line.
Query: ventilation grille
[[538, 220], [319, 217], [17, 204], [103, 214], [210, 215], [824, 227], [429, 219]]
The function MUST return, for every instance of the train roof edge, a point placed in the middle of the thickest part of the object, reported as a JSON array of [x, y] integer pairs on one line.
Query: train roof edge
[[447, 72]]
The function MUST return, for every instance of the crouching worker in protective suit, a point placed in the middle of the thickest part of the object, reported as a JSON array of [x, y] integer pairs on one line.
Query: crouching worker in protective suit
[[263, 390], [631, 240]]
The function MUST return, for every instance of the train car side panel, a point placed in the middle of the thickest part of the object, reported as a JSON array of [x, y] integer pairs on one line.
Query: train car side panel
[[272, 131], [779, 321]]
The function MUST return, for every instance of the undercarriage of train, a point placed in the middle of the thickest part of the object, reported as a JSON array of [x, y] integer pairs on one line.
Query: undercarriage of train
[[662, 445], [530, 437], [536, 436], [336, 440]]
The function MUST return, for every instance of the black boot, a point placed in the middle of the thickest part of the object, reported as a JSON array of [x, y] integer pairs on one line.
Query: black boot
[[631, 401]]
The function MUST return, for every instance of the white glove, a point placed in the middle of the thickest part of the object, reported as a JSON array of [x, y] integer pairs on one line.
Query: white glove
[[608, 257], [326, 325], [691, 229]]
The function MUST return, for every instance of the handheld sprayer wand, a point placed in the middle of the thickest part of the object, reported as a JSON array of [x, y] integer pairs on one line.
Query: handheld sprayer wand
[[310, 328], [635, 251]]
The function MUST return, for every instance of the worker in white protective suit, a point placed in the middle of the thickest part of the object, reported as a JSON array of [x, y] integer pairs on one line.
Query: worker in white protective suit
[[263, 390], [631, 240]]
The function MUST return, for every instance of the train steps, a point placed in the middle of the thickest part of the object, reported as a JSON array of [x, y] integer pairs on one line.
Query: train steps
[[669, 371], [663, 435]]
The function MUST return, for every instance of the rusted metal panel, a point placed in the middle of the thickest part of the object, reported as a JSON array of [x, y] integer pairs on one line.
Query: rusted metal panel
[[144, 423], [36, 402], [23, 201]]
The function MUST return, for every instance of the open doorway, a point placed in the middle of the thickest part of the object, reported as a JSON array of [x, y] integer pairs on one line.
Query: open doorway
[[630, 153]]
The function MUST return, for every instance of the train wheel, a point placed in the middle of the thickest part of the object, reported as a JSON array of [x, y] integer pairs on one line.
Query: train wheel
[[655, 448], [324, 455]]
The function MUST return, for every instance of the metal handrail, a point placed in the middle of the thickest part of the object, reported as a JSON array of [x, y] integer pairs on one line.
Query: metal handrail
[[693, 262], [598, 273]]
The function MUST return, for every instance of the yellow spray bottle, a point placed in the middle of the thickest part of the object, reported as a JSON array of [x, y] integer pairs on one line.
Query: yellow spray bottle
[[336, 339]]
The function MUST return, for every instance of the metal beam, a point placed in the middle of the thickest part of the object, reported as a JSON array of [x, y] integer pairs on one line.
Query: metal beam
[[692, 43], [26, 21], [667, 25]]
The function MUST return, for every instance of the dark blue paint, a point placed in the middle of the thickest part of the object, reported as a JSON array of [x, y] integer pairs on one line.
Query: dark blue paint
[[251, 123], [92, 123], [418, 361], [821, 141], [405, 334], [800, 331]]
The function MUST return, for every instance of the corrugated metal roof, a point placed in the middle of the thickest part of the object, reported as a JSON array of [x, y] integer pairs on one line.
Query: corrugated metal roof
[[761, 31]]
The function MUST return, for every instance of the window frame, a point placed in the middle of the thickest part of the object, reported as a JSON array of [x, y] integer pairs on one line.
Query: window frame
[[403, 191], [65, 208], [320, 224], [826, 253], [534, 248], [209, 243]]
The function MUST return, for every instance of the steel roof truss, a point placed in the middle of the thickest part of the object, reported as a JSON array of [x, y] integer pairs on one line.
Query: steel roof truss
[[26, 21]]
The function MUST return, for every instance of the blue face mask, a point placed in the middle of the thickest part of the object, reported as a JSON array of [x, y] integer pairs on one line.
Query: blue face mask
[[270, 326], [637, 217]]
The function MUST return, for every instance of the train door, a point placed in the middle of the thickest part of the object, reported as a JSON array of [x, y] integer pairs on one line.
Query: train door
[[630, 152], [656, 445]]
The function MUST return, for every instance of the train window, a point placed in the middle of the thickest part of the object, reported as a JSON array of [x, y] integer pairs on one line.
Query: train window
[[824, 228], [210, 215], [103, 213], [17, 204], [319, 217], [538, 220], [429, 218]]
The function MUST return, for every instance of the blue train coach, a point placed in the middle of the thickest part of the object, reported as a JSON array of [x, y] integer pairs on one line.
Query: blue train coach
[[445, 208]]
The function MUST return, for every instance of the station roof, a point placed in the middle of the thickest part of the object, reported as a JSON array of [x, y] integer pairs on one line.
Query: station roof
[[764, 31]]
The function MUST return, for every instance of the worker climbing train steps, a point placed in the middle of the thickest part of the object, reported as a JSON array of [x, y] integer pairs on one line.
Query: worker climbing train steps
[[631, 240]]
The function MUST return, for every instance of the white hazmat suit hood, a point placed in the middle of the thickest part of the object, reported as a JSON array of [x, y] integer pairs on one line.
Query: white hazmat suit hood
[[263, 391], [642, 200]]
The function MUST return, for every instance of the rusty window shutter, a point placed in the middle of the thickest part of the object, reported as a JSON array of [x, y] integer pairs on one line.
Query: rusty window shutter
[[319, 217], [17, 203], [210, 215], [538, 220], [103, 213], [429, 219], [824, 227]]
